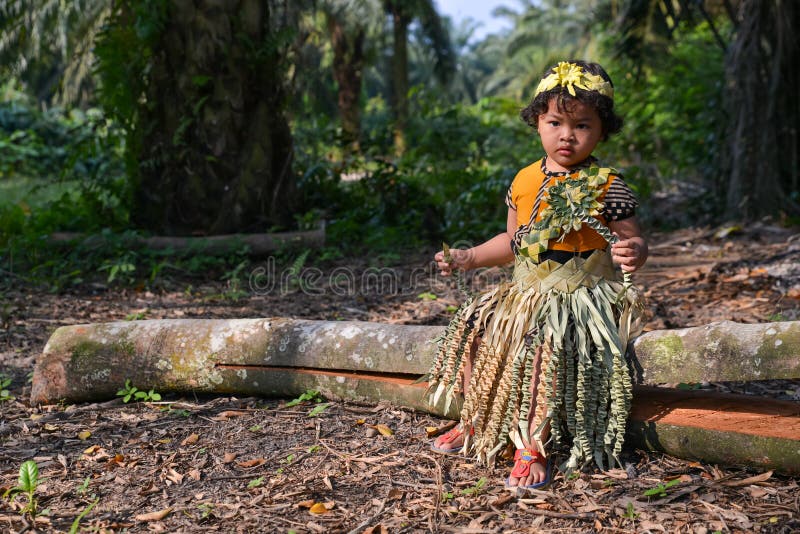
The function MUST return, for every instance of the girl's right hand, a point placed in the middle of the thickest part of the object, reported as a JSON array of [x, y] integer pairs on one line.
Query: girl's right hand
[[461, 260]]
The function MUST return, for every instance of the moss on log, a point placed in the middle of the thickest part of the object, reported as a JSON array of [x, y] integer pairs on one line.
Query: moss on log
[[724, 351], [90, 362]]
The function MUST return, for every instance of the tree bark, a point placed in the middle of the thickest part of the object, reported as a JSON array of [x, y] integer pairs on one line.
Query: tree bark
[[724, 351], [216, 150], [348, 64], [400, 22], [761, 159]]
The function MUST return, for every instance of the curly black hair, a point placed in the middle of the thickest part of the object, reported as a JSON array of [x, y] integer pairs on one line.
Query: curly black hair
[[612, 123]]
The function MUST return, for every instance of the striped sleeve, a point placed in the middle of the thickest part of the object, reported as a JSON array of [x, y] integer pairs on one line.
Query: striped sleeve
[[620, 202], [510, 197]]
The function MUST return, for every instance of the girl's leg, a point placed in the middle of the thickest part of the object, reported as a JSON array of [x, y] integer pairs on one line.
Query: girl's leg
[[538, 471], [445, 442]]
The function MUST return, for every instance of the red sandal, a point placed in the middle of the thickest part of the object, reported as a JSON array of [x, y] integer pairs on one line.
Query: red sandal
[[523, 458], [449, 437]]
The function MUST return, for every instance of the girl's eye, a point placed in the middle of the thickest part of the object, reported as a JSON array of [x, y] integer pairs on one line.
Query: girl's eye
[[583, 126], [553, 123]]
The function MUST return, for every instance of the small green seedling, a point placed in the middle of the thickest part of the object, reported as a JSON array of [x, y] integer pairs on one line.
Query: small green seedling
[[427, 296], [76, 524], [205, 509], [83, 486], [318, 409], [27, 484], [477, 489], [447, 495], [310, 395], [256, 482], [136, 316], [5, 394], [132, 392], [254, 428], [630, 513], [661, 490], [314, 448]]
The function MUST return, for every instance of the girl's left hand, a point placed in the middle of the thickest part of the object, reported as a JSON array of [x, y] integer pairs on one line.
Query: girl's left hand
[[629, 254]]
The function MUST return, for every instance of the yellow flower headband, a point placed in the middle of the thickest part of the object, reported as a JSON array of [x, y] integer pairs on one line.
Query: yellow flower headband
[[570, 75]]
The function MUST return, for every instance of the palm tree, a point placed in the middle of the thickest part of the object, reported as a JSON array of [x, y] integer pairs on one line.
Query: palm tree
[[402, 13], [543, 33], [199, 87], [350, 25], [48, 45]]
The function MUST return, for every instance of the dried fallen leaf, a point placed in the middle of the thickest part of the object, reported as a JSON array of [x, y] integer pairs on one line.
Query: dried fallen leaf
[[383, 429], [154, 516], [50, 427], [431, 431], [395, 493], [360, 422], [251, 463], [327, 482], [318, 509], [91, 450], [84, 434], [227, 414], [306, 504], [174, 477], [321, 508], [191, 438], [747, 481], [229, 457], [194, 474]]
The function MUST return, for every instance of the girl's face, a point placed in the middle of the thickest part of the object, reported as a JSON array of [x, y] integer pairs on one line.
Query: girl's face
[[569, 137]]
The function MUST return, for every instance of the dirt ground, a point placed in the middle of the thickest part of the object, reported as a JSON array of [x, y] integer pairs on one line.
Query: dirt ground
[[263, 465]]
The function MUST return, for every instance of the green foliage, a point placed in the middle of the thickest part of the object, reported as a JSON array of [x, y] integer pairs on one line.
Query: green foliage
[[630, 512], [318, 409], [311, 395], [70, 160], [673, 112], [476, 489], [661, 489], [451, 181], [129, 391], [73, 529], [256, 482], [5, 394], [27, 484]]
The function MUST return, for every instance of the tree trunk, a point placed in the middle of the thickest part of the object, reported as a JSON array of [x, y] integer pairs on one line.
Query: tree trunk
[[216, 150], [348, 64], [761, 163], [400, 22]]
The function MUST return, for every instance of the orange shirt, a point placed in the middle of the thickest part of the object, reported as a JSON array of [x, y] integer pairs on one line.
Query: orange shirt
[[522, 196]]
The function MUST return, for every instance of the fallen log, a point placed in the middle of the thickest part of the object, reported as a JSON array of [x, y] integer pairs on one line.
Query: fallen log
[[257, 244], [723, 351], [375, 362]]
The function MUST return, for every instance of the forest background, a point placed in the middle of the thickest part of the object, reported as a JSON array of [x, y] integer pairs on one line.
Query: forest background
[[380, 117]]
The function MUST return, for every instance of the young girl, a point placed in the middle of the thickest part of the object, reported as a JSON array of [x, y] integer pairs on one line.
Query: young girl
[[542, 357]]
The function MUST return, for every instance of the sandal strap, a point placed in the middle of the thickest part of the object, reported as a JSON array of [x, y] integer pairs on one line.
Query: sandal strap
[[455, 433], [523, 458]]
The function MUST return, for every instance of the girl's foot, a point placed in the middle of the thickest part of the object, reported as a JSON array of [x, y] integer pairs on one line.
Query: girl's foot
[[531, 470], [450, 442]]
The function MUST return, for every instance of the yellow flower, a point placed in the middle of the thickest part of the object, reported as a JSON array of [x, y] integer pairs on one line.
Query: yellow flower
[[570, 75]]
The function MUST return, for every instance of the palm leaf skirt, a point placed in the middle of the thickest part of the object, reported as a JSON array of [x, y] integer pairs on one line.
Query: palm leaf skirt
[[552, 341]]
